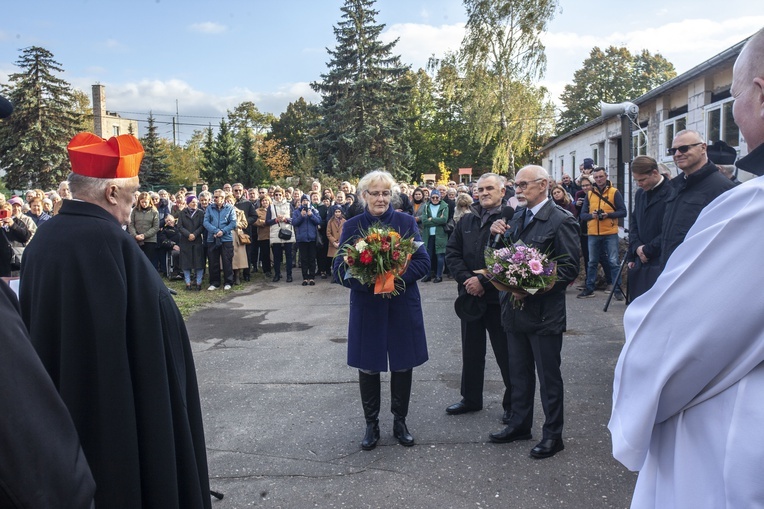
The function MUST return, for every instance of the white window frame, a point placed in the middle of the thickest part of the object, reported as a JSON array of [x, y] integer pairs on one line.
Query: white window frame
[[638, 143], [665, 141], [720, 105]]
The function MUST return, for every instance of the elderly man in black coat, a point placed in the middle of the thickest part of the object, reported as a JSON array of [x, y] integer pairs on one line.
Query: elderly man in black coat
[[112, 339], [534, 332], [465, 253]]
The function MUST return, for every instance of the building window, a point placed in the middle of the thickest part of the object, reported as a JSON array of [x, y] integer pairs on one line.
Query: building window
[[573, 167], [638, 144], [670, 128], [115, 130], [596, 156], [720, 125]]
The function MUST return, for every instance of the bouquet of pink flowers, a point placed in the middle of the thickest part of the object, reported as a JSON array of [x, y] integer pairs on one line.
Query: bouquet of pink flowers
[[519, 269]]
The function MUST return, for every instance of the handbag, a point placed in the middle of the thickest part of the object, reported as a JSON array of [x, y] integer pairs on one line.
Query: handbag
[[244, 238], [285, 233], [18, 252], [449, 226]]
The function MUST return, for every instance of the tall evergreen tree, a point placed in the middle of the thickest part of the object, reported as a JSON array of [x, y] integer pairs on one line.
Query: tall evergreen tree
[[154, 170], [225, 156], [33, 140], [207, 149], [363, 102], [295, 127], [247, 167]]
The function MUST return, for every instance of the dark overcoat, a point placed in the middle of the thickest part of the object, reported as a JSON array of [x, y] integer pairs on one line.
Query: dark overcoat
[[41, 462], [191, 252], [114, 343], [381, 329], [645, 228], [553, 231]]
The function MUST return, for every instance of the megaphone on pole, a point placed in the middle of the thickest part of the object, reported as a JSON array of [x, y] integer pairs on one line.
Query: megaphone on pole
[[624, 108]]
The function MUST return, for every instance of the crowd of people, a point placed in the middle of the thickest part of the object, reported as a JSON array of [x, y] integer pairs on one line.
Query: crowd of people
[[124, 405]]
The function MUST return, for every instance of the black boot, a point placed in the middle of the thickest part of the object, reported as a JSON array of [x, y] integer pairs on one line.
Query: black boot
[[400, 393], [369, 385]]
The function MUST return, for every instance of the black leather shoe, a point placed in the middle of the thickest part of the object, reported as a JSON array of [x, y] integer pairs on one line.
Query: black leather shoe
[[508, 435], [401, 432], [276, 278], [506, 416], [461, 408], [425, 279], [437, 280], [371, 437], [289, 279], [547, 448]]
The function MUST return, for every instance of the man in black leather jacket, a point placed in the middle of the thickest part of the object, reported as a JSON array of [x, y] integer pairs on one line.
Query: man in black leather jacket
[[534, 332]]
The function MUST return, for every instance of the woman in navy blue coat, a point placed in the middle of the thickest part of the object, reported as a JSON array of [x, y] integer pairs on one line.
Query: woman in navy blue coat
[[383, 330]]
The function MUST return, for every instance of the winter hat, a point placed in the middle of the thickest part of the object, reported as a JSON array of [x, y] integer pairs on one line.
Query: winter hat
[[434, 192], [190, 198]]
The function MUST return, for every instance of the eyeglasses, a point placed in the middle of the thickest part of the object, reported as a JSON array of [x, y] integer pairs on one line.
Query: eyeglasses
[[377, 194], [683, 148], [524, 185]]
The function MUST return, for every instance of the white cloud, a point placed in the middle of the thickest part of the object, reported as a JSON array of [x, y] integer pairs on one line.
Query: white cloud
[[208, 27], [418, 41]]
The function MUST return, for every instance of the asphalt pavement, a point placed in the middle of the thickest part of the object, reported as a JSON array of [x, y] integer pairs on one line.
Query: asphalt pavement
[[283, 417]]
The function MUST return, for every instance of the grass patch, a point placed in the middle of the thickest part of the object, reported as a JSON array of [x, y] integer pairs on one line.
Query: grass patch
[[190, 302]]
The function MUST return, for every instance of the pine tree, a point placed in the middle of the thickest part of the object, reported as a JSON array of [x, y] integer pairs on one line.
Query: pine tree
[[154, 171], [247, 168], [225, 157], [363, 102], [33, 140], [207, 149]]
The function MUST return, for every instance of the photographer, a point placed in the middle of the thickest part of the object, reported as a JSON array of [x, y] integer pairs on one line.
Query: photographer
[[602, 208]]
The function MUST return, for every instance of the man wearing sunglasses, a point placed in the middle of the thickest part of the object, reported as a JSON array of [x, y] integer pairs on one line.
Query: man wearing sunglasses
[[697, 186]]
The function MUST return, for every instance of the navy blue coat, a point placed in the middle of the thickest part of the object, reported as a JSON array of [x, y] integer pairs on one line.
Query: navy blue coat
[[306, 227], [382, 329]]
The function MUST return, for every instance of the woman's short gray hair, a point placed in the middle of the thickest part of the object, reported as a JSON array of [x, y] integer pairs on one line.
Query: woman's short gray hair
[[375, 177]]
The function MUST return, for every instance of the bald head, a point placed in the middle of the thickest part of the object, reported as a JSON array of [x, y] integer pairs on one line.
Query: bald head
[[748, 91]]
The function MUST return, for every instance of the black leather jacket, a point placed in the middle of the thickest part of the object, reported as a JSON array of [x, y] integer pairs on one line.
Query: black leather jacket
[[553, 231]]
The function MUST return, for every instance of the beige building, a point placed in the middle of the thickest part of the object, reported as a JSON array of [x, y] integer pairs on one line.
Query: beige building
[[699, 99], [107, 123]]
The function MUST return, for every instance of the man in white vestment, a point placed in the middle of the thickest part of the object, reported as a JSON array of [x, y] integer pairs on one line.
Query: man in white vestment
[[688, 396]]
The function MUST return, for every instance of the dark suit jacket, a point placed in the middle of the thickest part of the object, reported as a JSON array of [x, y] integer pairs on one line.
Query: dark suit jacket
[[553, 231], [250, 210]]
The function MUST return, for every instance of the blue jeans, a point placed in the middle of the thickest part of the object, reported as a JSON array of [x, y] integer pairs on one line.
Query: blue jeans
[[599, 245]]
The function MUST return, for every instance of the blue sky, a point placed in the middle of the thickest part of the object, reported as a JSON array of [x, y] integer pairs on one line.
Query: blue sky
[[210, 56]]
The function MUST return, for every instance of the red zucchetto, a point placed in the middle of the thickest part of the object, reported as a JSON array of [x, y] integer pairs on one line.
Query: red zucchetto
[[92, 156]]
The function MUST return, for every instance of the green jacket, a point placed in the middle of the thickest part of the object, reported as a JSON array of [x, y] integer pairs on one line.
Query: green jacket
[[438, 220]]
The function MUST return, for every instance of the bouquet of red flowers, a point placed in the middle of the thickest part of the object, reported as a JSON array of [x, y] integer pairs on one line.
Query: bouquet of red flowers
[[519, 269], [379, 256]]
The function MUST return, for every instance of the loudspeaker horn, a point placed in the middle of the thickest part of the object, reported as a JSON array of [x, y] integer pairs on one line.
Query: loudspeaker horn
[[624, 108]]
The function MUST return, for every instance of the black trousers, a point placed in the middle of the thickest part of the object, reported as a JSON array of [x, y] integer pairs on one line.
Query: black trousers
[[264, 249], [281, 249], [215, 253], [473, 356], [308, 259], [527, 351]]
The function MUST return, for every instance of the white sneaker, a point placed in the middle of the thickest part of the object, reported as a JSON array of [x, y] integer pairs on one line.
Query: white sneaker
[[212, 288], [227, 287]]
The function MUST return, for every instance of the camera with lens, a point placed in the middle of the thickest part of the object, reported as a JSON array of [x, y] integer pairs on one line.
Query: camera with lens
[[600, 214], [5, 214]]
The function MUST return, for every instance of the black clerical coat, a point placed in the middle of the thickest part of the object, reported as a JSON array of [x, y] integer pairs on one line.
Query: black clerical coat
[[113, 341], [41, 462]]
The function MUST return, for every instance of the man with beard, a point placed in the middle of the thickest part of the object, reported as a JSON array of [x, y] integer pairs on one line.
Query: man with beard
[[534, 332]]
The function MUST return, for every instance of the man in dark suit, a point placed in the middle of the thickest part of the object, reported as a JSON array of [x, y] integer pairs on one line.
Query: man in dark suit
[[534, 332]]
